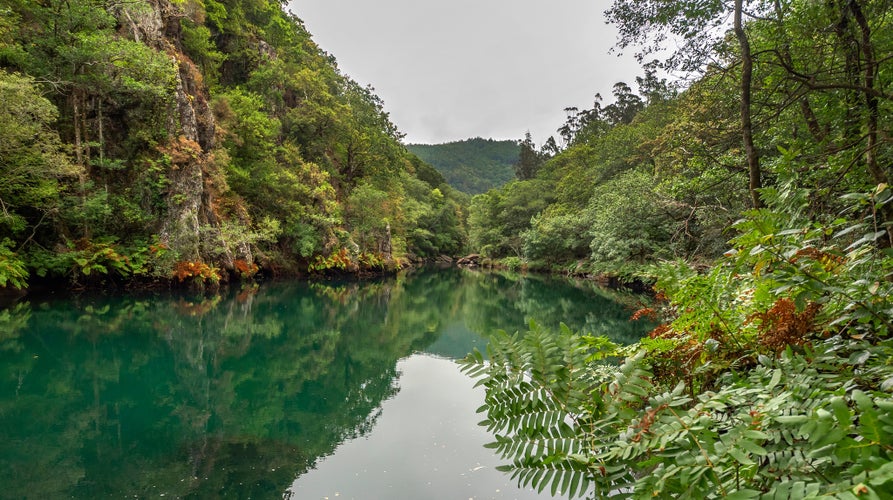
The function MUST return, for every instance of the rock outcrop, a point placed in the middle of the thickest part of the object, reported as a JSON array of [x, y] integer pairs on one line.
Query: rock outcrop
[[191, 226]]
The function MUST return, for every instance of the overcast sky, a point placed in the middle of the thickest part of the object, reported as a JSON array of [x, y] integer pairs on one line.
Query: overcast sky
[[454, 69]]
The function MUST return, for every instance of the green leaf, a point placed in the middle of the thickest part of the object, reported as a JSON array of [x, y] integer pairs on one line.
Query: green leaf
[[752, 447], [841, 411], [740, 456], [791, 419], [776, 378], [755, 434], [742, 494]]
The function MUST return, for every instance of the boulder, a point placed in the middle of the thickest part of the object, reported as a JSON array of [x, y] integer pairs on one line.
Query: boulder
[[473, 260]]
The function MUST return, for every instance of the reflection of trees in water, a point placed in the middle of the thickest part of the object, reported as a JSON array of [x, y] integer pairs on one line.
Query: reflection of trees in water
[[194, 395], [13, 320], [509, 301]]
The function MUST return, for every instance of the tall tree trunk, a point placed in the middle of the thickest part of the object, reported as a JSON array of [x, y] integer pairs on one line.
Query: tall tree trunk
[[812, 121], [77, 110], [101, 136], [753, 160], [870, 69], [76, 119], [85, 138]]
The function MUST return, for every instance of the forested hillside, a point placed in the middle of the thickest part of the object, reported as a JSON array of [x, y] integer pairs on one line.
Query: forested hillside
[[472, 166], [197, 140], [756, 194], [662, 172]]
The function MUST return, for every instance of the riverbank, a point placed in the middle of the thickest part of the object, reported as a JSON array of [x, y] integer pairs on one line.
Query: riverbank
[[635, 283], [211, 280]]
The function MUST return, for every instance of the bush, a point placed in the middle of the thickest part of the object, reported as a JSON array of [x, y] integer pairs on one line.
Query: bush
[[631, 225], [557, 236], [513, 263]]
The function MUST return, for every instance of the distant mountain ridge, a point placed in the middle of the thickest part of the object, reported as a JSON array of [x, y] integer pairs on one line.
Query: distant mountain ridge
[[474, 165]]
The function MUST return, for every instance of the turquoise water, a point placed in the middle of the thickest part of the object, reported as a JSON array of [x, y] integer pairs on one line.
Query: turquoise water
[[298, 390]]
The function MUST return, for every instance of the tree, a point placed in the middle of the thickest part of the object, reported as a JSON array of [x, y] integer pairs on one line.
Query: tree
[[799, 65], [32, 158], [699, 25], [499, 217], [753, 159], [625, 107], [830, 87], [32, 162], [529, 159]]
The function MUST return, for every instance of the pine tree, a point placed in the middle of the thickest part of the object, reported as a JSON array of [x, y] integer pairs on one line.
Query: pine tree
[[529, 159]]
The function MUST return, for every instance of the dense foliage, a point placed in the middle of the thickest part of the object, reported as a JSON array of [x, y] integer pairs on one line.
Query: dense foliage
[[662, 173], [197, 140], [472, 166], [770, 375]]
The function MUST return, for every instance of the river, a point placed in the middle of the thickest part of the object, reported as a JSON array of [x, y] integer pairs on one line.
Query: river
[[286, 389]]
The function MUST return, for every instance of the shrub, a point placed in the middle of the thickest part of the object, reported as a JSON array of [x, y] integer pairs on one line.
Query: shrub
[[12, 269], [513, 263], [196, 271]]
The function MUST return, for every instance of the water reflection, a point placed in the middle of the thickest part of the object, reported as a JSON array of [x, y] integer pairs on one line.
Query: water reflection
[[238, 395]]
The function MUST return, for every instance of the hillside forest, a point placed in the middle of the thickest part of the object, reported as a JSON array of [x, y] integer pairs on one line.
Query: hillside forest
[[753, 190], [199, 141], [472, 166]]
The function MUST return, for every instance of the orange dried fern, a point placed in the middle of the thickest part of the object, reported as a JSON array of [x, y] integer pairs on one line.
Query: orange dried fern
[[188, 269], [782, 325]]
